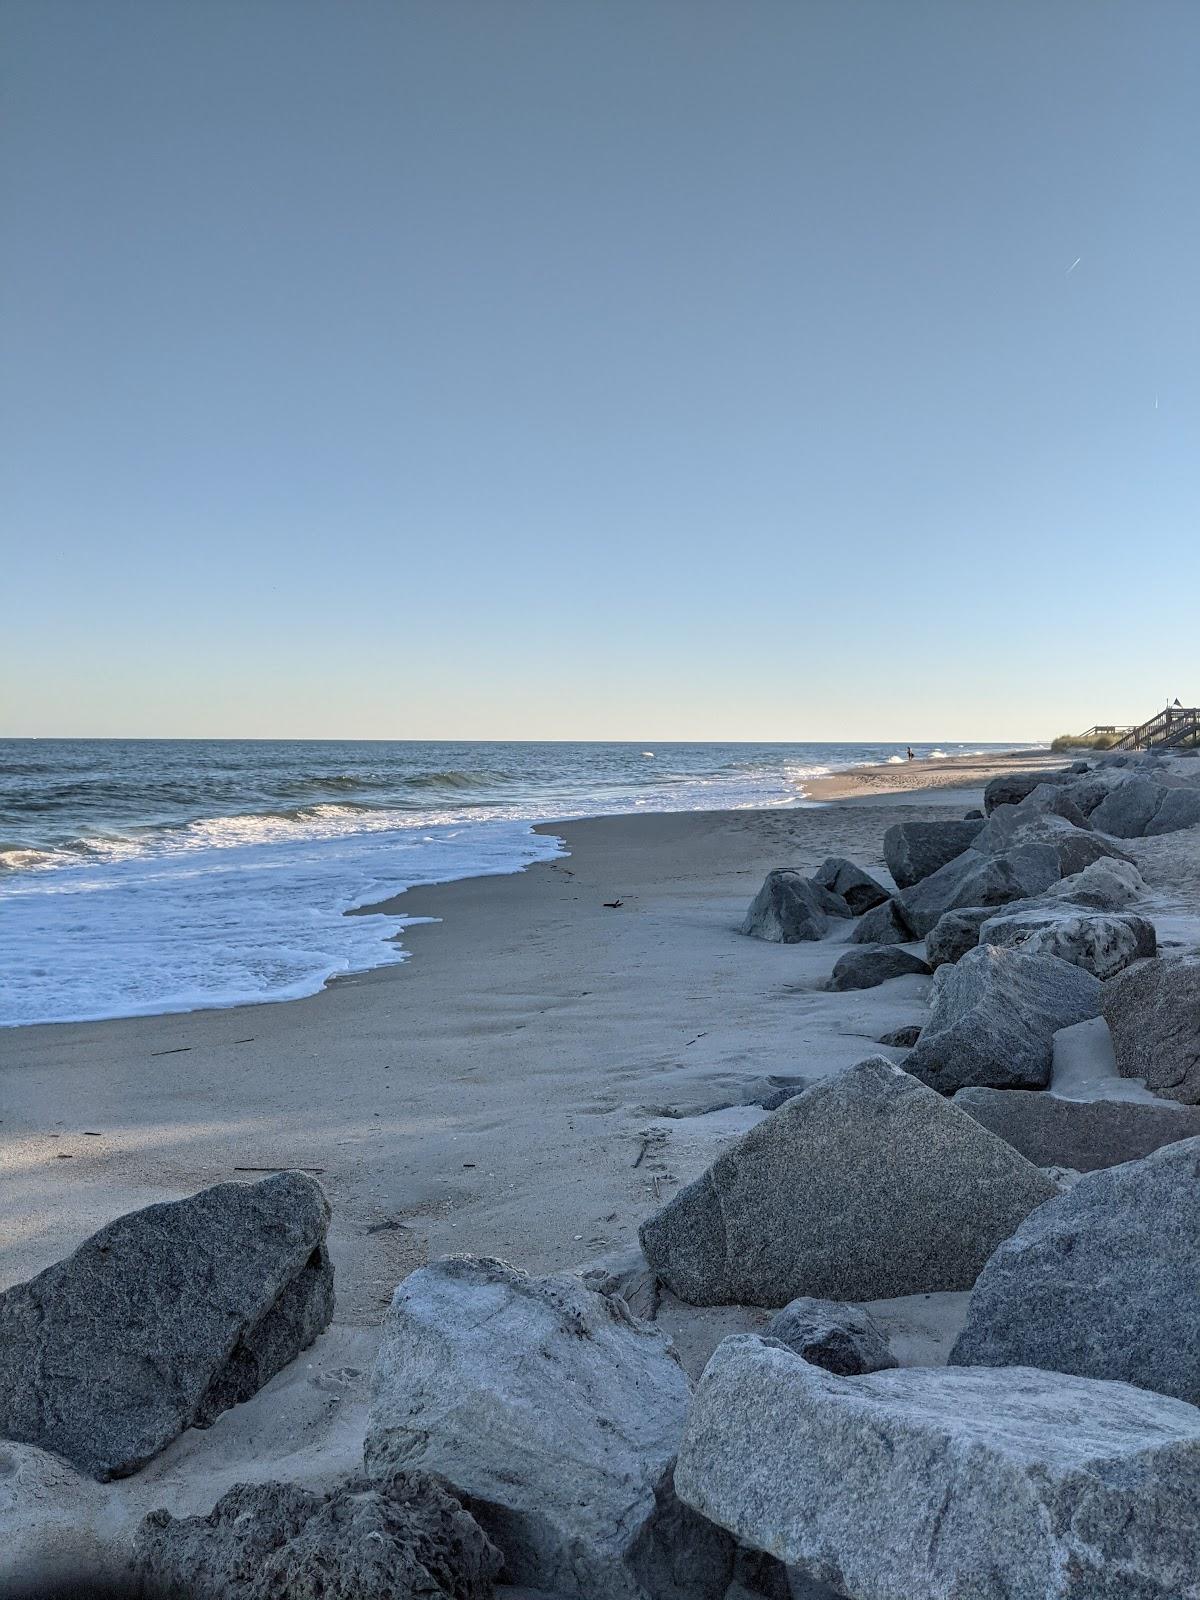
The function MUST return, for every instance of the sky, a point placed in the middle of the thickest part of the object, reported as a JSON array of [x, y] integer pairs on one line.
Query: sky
[[763, 369]]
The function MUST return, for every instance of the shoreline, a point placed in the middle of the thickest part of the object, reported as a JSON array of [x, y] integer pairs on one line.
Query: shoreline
[[526, 1007], [511, 980], [926, 776], [865, 784], [386, 946]]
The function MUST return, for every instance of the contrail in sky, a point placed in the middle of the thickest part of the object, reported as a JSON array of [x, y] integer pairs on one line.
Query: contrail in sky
[[1073, 265]]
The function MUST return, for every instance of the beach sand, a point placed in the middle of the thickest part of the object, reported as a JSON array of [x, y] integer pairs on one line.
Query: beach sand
[[531, 1083], [946, 779]]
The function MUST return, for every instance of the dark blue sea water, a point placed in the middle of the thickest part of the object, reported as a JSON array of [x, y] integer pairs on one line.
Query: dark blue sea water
[[163, 875]]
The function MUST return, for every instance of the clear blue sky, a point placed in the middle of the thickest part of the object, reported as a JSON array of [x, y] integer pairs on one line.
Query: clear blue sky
[[598, 368]]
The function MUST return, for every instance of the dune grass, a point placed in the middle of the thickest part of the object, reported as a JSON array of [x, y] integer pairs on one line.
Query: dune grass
[[1076, 741]]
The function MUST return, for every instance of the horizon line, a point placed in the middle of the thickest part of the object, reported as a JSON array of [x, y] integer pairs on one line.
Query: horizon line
[[309, 738]]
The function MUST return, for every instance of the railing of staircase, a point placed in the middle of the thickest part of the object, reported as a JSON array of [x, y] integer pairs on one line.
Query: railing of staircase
[[1172, 726]]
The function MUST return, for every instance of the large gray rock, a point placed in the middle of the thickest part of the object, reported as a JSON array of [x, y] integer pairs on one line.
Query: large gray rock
[[1106, 885], [994, 1016], [1101, 1281], [913, 850], [865, 1187], [975, 879], [936, 1484], [556, 1414], [1180, 808], [954, 933], [1086, 793], [856, 887], [408, 1540], [164, 1319], [1010, 829], [867, 966], [1010, 788], [841, 1338], [884, 924], [1055, 799], [788, 909], [1081, 1135], [1127, 810], [1153, 1014], [1102, 943], [1077, 848]]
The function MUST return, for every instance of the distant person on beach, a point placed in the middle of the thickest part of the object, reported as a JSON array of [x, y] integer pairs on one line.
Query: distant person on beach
[[911, 757]]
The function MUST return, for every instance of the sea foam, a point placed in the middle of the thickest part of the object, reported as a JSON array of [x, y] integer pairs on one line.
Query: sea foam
[[228, 924]]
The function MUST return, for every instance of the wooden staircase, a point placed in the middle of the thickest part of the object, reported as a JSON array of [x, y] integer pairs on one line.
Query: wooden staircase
[[1171, 728]]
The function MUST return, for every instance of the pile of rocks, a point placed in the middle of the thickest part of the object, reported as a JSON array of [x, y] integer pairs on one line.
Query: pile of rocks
[[1059, 1453], [1129, 796], [1043, 871]]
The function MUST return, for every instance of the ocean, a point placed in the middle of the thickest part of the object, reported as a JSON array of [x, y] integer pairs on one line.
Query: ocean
[[141, 876]]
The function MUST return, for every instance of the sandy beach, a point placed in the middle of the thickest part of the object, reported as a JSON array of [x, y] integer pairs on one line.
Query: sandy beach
[[490, 1093], [953, 779], [544, 1072]]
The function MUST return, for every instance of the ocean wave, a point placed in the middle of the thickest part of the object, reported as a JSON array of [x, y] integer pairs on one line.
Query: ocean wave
[[193, 800], [453, 779], [15, 858], [315, 819], [313, 808], [25, 858], [321, 783], [389, 782], [54, 798]]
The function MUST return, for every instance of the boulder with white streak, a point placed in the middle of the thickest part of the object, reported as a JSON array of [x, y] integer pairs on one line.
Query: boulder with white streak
[[1102, 943], [959, 1484], [555, 1414]]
